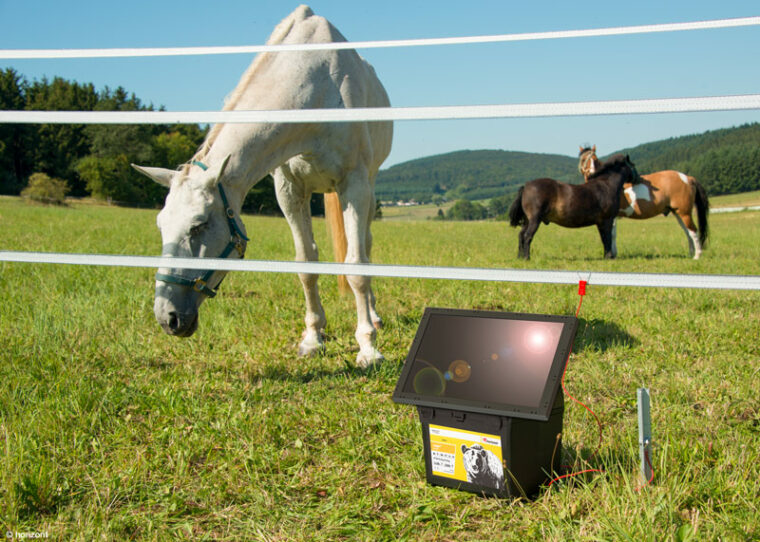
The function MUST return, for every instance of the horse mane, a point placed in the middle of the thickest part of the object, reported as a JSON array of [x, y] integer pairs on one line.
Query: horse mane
[[279, 34], [613, 164]]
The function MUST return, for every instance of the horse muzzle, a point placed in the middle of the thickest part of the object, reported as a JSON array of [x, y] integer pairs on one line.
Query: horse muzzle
[[179, 325], [175, 321]]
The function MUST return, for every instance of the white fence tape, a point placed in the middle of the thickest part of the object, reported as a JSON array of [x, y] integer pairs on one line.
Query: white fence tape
[[177, 51], [735, 209], [558, 109], [657, 280]]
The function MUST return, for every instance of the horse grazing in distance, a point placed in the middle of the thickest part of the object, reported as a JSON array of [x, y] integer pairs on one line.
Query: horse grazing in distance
[[658, 194], [201, 217], [573, 206]]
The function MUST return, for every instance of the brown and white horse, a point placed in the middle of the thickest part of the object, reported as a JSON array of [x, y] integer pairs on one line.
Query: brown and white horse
[[660, 193]]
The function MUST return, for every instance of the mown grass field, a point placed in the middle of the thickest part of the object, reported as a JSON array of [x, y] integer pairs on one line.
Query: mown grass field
[[111, 430]]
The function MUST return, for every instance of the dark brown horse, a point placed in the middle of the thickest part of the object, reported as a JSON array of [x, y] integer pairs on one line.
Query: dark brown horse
[[574, 206], [660, 193]]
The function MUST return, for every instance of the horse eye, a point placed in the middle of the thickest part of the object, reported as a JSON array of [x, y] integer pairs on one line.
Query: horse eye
[[197, 229]]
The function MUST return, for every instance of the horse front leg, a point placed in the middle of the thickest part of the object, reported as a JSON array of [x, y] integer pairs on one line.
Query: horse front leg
[[294, 202], [356, 200], [608, 233]]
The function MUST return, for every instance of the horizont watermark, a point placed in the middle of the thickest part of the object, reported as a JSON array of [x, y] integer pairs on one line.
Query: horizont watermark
[[30, 535]]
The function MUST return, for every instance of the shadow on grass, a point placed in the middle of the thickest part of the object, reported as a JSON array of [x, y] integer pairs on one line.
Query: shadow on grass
[[287, 373], [595, 334], [600, 335]]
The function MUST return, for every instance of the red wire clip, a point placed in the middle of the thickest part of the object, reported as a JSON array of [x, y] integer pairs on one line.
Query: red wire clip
[[581, 287]]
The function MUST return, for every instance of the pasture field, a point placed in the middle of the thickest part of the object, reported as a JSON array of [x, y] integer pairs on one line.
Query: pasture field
[[111, 430], [414, 212], [746, 199]]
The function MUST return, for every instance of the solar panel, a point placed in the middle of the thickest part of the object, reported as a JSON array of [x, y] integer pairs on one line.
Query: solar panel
[[501, 363]]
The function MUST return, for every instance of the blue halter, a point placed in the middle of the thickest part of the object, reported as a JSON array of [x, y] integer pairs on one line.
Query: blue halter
[[237, 242]]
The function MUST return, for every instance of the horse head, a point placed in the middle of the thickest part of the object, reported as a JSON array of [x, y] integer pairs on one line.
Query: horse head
[[618, 164], [588, 163], [197, 221]]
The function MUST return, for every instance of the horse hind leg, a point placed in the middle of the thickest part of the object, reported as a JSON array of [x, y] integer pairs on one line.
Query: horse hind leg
[[356, 201], [608, 234], [377, 322], [690, 229], [526, 237]]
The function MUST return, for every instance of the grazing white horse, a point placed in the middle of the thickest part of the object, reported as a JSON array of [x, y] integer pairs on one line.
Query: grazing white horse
[[201, 214]]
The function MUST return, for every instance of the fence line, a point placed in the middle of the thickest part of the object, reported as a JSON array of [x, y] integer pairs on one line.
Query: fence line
[[562, 34], [370, 114], [657, 280]]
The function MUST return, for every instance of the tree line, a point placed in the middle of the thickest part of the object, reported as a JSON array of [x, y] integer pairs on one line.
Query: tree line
[[94, 160]]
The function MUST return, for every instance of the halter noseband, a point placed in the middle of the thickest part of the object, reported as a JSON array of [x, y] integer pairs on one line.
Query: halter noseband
[[237, 242]]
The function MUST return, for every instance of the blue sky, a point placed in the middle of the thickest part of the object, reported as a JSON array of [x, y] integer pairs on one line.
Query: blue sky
[[680, 64]]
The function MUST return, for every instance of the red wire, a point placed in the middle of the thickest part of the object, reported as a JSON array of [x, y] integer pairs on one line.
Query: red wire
[[572, 474], [581, 293]]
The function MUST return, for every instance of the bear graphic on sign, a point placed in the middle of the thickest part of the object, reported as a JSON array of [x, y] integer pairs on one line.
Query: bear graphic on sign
[[482, 466]]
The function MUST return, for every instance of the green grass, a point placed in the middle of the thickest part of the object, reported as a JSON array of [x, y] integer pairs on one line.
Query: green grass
[[111, 430]]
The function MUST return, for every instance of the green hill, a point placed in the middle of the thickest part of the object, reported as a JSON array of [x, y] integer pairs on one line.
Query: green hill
[[725, 161], [471, 174]]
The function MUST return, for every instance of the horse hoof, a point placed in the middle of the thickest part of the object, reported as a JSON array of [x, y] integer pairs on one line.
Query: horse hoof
[[369, 358], [307, 350]]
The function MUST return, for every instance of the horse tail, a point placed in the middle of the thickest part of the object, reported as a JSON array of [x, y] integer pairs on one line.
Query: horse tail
[[334, 216], [516, 212], [703, 208]]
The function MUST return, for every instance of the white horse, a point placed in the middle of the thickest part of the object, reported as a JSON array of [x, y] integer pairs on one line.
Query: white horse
[[201, 214]]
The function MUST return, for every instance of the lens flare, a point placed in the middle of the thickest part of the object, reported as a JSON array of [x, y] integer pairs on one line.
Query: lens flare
[[429, 381], [459, 371], [538, 339]]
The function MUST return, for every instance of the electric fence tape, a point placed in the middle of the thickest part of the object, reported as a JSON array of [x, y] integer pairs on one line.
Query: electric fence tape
[[656, 280], [369, 114], [223, 50]]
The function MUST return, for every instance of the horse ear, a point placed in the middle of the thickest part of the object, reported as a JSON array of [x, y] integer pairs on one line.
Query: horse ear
[[593, 149], [217, 175], [160, 175]]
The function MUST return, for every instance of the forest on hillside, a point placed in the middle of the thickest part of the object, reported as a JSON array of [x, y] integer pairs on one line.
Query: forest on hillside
[[725, 161], [470, 175], [94, 160]]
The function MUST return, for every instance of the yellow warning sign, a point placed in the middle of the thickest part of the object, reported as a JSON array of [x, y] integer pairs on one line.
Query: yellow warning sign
[[466, 456]]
